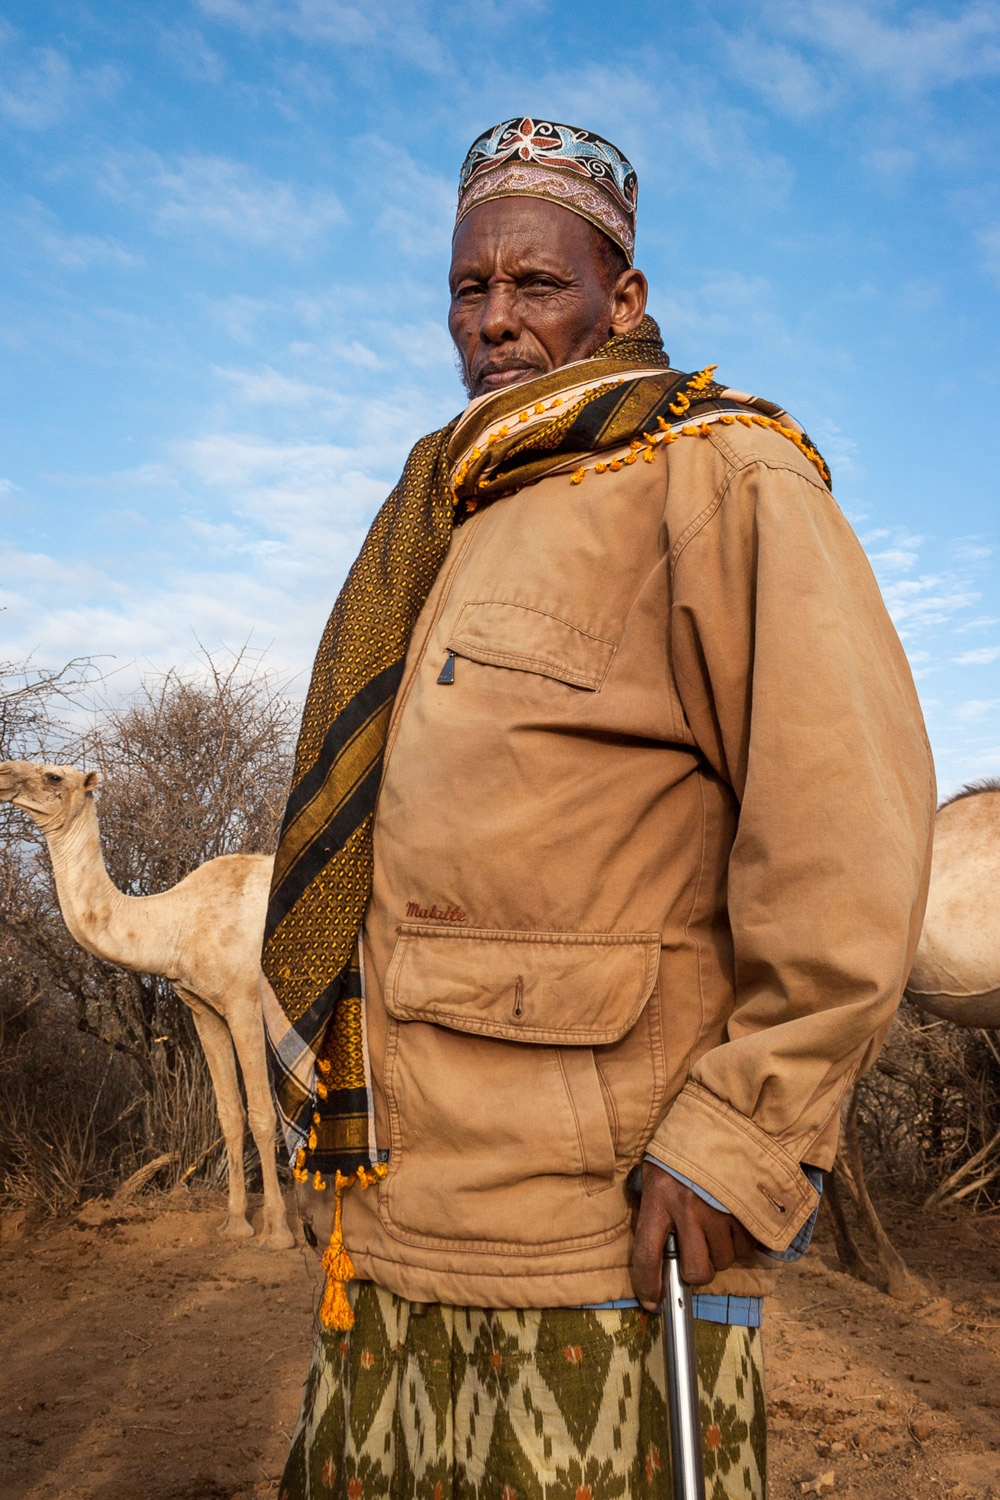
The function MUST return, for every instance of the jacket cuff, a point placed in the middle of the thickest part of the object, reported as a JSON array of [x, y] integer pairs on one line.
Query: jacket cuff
[[738, 1163]]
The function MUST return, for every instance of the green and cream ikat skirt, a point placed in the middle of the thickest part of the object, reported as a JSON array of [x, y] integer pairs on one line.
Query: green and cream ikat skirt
[[459, 1403]]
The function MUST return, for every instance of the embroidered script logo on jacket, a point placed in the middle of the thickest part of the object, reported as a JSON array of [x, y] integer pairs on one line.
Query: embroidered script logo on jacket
[[434, 913]]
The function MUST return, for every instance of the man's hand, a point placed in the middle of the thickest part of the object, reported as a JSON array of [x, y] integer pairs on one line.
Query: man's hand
[[708, 1240]]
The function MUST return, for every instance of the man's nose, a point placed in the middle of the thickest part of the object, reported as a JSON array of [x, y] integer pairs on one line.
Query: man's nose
[[500, 322]]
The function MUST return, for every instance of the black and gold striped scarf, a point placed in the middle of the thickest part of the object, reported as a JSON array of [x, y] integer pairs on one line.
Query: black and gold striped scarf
[[626, 394]]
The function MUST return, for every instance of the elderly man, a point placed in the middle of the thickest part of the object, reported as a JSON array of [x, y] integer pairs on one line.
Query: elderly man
[[607, 846]]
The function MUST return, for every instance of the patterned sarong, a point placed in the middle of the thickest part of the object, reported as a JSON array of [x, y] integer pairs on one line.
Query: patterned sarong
[[455, 1403]]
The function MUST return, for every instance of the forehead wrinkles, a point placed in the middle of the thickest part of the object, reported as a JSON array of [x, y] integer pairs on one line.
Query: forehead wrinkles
[[513, 237], [511, 263]]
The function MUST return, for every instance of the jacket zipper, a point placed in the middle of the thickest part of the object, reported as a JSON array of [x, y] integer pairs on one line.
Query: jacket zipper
[[446, 676]]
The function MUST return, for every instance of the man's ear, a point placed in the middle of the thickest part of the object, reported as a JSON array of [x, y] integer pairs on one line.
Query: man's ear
[[628, 301], [91, 781]]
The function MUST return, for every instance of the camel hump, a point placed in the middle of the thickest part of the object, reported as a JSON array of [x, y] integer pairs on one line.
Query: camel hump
[[233, 872], [971, 789], [959, 950]]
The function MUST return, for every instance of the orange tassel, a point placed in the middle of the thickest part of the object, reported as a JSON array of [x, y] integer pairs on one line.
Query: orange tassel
[[335, 1311]]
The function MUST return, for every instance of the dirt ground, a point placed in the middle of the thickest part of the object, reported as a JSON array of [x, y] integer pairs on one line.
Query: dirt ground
[[146, 1358]]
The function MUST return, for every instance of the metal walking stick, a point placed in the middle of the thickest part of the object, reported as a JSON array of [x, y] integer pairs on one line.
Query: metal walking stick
[[682, 1380]]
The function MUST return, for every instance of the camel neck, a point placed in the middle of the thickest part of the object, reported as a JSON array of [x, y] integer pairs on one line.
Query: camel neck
[[99, 916]]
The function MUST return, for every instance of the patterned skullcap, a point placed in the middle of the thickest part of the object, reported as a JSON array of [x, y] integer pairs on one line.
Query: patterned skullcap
[[577, 169]]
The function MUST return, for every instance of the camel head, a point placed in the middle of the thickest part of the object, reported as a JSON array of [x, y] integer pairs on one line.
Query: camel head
[[54, 796]]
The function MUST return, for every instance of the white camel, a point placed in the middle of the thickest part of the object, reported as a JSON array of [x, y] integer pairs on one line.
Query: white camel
[[203, 935], [955, 975]]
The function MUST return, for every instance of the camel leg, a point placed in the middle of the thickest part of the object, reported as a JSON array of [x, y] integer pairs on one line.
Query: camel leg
[[901, 1282], [848, 1254], [247, 1029], [218, 1048]]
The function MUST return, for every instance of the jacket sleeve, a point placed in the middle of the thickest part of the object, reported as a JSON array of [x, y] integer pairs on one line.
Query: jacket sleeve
[[798, 694]]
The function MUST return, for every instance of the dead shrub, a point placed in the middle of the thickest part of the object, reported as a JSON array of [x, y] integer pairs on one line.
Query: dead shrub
[[929, 1113]]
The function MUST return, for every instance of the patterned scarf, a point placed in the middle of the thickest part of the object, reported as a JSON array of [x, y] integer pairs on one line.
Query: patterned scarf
[[625, 397]]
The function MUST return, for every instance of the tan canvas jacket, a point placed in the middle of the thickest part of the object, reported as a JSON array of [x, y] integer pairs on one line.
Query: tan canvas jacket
[[650, 869]]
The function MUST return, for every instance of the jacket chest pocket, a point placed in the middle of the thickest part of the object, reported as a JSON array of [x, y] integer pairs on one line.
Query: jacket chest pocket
[[498, 634], [500, 1123]]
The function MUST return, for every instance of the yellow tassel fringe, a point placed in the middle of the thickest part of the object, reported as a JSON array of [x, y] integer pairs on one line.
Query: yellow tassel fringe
[[335, 1312], [655, 440], [651, 441]]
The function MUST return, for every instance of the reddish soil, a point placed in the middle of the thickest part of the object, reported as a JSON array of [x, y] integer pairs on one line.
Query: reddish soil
[[896, 1401], [146, 1358]]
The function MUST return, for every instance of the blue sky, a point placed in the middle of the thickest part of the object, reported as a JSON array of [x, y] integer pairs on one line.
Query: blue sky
[[223, 252]]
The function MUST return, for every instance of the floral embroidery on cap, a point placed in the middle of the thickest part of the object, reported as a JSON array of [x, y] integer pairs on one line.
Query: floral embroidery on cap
[[573, 167]]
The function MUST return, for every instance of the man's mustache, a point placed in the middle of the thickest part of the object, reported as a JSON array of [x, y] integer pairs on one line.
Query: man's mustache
[[473, 378], [500, 366]]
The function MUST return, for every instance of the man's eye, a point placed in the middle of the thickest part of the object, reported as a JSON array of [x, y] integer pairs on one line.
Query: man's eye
[[465, 293]]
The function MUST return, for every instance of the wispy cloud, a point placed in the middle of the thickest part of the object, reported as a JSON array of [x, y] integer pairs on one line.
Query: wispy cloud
[[983, 656], [932, 608], [840, 451], [41, 229], [989, 250], [240, 316], [251, 540], [795, 86], [305, 495], [728, 312], [35, 95], [188, 50], [268, 387], [121, 620], [324, 340], [898, 557], [891, 161], [401, 26], [840, 44], [923, 50], [229, 533], [226, 199], [417, 207], [643, 105], [39, 88], [976, 709], [920, 605], [982, 622]]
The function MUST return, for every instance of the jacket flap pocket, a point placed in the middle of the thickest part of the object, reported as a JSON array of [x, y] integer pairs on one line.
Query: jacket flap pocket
[[511, 635], [561, 989]]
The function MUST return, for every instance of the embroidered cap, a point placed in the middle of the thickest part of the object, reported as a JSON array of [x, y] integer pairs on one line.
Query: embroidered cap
[[575, 168]]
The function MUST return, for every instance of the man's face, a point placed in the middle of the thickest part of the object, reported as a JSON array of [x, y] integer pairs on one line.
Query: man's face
[[530, 292]]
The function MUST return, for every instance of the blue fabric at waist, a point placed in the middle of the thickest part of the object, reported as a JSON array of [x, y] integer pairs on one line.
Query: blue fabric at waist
[[710, 1307]]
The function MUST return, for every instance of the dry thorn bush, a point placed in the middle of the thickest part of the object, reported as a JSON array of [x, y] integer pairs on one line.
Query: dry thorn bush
[[929, 1114]]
